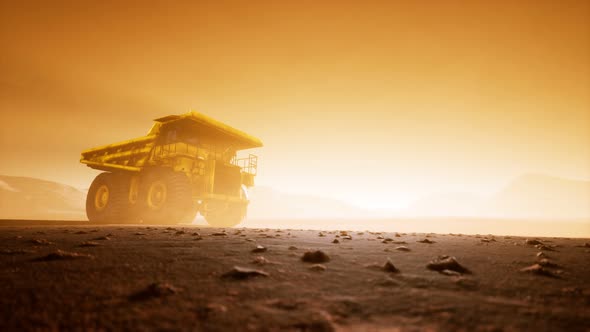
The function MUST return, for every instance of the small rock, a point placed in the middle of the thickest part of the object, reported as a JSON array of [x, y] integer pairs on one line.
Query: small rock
[[139, 233], [81, 232], [154, 290], [41, 242], [89, 244], [427, 241], [197, 238], [196, 234], [397, 235], [446, 263], [346, 237], [102, 238], [389, 267], [544, 247], [180, 232], [259, 248], [16, 252], [62, 255], [243, 273], [219, 234], [380, 237], [450, 272], [538, 270], [292, 248], [402, 248], [317, 256], [547, 263], [321, 234], [259, 260], [318, 267], [533, 242], [215, 307], [335, 241], [541, 254]]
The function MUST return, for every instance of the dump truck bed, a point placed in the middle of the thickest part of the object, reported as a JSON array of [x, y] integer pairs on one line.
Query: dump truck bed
[[131, 155]]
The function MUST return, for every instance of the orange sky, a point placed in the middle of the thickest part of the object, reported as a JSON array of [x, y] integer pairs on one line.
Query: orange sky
[[372, 102]]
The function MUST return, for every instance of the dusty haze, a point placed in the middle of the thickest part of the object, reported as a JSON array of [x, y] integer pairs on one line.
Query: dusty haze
[[379, 106]]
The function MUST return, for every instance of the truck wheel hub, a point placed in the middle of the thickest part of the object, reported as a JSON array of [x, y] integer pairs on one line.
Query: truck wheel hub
[[157, 195], [101, 198]]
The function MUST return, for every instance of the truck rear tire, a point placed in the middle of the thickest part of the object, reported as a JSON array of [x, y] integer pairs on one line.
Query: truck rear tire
[[107, 199], [165, 197]]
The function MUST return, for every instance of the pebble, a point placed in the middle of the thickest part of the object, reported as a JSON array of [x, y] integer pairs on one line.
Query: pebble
[[154, 290], [219, 234], [260, 260], [292, 248], [259, 248], [318, 267], [335, 241], [427, 241], [533, 242], [42, 242], [402, 248], [63, 255], [89, 244], [241, 273], [16, 252]]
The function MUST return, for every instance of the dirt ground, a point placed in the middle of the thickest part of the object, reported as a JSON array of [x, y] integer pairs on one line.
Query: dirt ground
[[122, 277]]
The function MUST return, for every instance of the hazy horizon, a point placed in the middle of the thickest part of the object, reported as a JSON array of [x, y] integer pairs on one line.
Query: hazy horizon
[[381, 106]]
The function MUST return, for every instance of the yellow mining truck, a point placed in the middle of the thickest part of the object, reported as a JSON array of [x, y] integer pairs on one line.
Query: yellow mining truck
[[185, 165]]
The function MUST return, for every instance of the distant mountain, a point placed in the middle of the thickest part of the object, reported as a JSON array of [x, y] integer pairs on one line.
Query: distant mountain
[[530, 196], [442, 205], [29, 198], [542, 196]]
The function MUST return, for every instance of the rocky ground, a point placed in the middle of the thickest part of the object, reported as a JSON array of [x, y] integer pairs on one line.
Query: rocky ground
[[195, 278]]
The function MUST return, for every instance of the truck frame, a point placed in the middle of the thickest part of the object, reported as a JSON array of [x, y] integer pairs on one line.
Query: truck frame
[[186, 164]]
